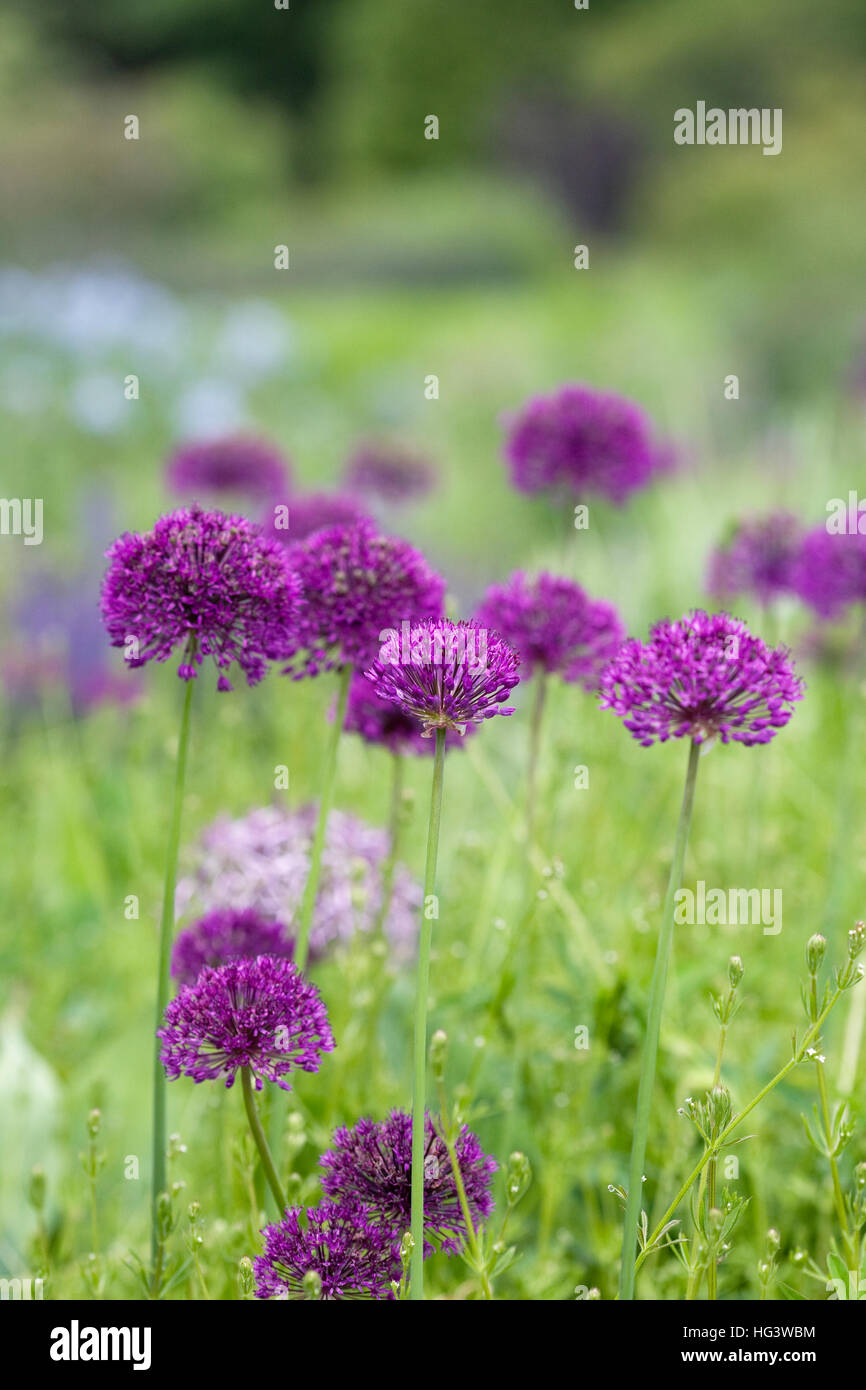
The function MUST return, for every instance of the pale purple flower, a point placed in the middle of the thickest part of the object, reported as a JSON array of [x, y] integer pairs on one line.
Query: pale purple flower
[[260, 863], [830, 571], [758, 558], [233, 465]]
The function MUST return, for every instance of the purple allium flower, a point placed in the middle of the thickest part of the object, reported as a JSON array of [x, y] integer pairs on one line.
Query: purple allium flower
[[205, 582], [381, 721], [353, 1257], [235, 465], [582, 441], [702, 676], [223, 935], [372, 1164], [259, 1013], [308, 512], [356, 584], [388, 474], [446, 674], [261, 862], [554, 625], [830, 571], [758, 558]]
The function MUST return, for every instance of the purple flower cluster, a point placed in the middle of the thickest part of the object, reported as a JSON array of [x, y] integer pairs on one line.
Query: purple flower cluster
[[759, 558], [380, 721], [830, 572], [582, 441], [556, 627], [236, 466], [445, 674], [207, 583], [388, 474], [703, 676], [352, 1256], [259, 1013], [308, 512], [224, 935], [260, 863], [371, 1164], [357, 583]]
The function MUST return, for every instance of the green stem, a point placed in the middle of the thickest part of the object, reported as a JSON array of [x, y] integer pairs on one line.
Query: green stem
[[651, 1042], [471, 1234], [261, 1142], [808, 1038], [394, 819], [416, 1289], [311, 887], [838, 1197], [166, 932], [534, 751]]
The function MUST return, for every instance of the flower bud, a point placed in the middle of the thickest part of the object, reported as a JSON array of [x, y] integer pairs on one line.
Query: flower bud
[[245, 1276], [312, 1284], [815, 948], [518, 1178], [94, 1120], [856, 940], [736, 970]]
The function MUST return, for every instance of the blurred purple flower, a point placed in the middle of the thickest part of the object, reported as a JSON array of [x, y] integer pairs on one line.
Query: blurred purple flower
[[260, 863], [382, 722], [223, 935], [235, 465], [356, 583], [309, 512], [582, 441], [388, 474], [830, 571], [758, 558], [702, 676], [554, 625]]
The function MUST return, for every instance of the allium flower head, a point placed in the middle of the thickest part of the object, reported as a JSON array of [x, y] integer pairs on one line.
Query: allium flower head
[[206, 583], [224, 935], [702, 676], [447, 675], [554, 625], [371, 1163], [352, 1257], [308, 512], [758, 558], [830, 572], [582, 441], [356, 584], [260, 863], [234, 465], [388, 474], [259, 1013], [382, 722]]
